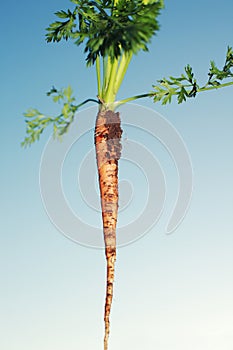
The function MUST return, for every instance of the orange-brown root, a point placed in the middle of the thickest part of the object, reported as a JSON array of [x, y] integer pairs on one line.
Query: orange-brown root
[[111, 258], [108, 150]]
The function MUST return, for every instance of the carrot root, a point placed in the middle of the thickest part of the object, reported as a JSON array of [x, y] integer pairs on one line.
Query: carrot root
[[108, 151]]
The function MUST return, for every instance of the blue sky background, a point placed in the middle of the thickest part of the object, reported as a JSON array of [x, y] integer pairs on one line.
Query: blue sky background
[[171, 292]]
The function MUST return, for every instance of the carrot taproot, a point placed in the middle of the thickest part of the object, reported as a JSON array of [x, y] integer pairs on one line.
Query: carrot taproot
[[108, 151]]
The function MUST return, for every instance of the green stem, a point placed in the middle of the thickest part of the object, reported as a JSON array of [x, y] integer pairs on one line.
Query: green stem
[[86, 101], [123, 66], [106, 74], [151, 94], [207, 88], [98, 74], [133, 98], [110, 92]]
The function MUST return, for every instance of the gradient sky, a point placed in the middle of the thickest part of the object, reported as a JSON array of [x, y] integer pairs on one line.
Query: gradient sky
[[171, 292]]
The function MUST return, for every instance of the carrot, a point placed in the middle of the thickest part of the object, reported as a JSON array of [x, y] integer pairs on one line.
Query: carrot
[[105, 28], [108, 151]]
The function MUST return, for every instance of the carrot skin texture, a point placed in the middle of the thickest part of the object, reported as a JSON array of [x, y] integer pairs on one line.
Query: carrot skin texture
[[108, 151]]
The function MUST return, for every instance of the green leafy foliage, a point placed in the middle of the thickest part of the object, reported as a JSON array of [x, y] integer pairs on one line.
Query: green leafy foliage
[[62, 29], [108, 27], [37, 122], [216, 75], [186, 85]]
